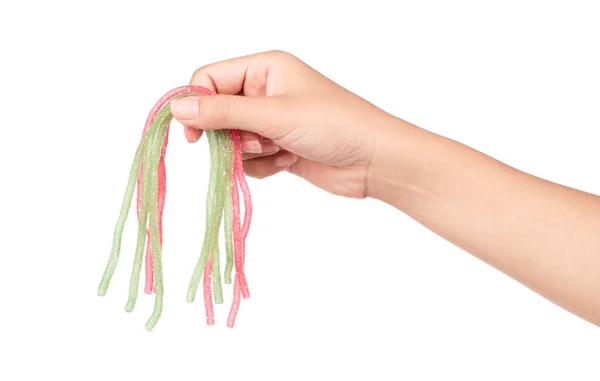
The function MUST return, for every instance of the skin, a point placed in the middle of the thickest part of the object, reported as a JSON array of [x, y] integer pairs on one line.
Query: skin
[[544, 235]]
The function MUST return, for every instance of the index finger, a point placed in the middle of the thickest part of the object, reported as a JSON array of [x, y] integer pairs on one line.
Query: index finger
[[224, 77], [230, 77]]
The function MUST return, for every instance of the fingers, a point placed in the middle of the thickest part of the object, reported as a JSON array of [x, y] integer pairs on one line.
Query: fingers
[[245, 75], [192, 134], [258, 148], [269, 165], [265, 116], [251, 142], [226, 77]]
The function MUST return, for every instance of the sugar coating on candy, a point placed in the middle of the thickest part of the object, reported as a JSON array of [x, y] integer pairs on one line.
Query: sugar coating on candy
[[237, 235], [240, 245], [220, 152], [175, 93], [211, 213], [155, 143], [240, 285], [148, 172], [151, 154], [227, 212], [208, 303], [241, 179], [235, 305]]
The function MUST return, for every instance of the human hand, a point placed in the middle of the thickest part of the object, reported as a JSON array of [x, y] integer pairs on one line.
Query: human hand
[[290, 118]]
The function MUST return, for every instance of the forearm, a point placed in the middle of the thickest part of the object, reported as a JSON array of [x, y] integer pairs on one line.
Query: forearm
[[544, 235]]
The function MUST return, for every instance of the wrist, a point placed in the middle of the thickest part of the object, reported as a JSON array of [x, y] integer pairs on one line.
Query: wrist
[[396, 169]]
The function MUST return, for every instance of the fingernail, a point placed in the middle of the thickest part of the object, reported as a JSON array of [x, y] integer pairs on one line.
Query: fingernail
[[190, 134], [184, 108], [251, 146], [270, 148], [285, 160], [187, 133]]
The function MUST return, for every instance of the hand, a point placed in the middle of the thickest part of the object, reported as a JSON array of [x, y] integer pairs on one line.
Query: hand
[[290, 118], [540, 233]]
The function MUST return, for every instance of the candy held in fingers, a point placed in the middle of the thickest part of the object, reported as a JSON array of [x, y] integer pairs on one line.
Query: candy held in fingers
[[148, 174]]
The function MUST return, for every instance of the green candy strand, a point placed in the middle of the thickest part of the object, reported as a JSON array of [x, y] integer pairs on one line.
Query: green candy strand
[[217, 286], [125, 206], [153, 217], [227, 208], [210, 220], [218, 215], [161, 120], [141, 239]]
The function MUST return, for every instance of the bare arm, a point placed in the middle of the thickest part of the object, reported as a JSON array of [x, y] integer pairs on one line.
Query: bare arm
[[545, 235]]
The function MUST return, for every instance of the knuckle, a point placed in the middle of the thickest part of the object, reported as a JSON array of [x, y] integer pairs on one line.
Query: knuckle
[[278, 55], [197, 74], [222, 110], [201, 77]]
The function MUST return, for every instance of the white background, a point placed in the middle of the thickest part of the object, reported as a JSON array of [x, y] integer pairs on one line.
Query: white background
[[340, 287]]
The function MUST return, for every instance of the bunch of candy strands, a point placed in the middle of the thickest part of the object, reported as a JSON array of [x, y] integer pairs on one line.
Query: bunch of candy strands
[[222, 203]]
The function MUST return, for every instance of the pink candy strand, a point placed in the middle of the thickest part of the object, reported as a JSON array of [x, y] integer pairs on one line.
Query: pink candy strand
[[161, 193], [235, 305], [208, 302], [241, 180], [240, 285], [236, 230], [239, 170]]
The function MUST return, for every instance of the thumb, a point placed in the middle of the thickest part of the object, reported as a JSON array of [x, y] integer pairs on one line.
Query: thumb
[[262, 115]]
